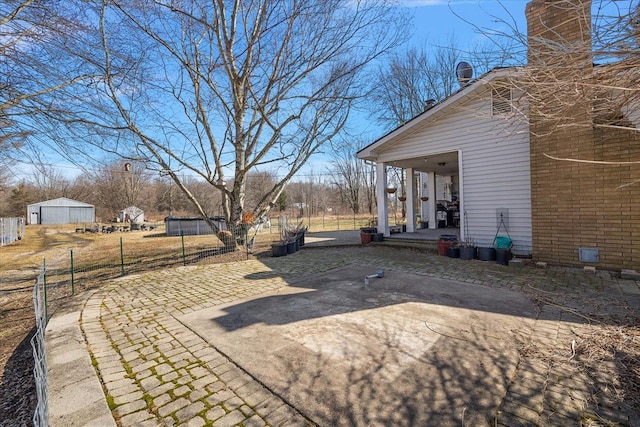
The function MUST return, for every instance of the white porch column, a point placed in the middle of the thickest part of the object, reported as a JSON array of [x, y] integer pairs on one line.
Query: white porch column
[[381, 197], [411, 201], [433, 203]]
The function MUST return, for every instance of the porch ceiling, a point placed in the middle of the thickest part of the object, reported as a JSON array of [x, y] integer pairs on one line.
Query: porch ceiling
[[441, 164]]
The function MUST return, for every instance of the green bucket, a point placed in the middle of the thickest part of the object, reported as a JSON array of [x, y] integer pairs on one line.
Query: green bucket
[[503, 242]]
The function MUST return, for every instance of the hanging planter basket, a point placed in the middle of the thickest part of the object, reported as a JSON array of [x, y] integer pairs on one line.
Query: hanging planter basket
[[391, 190], [402, 198], [424, 198]]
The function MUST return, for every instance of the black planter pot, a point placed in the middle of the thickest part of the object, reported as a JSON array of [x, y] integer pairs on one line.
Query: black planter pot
[[292, 248], [503, 256], [486, 254], [453, 252], [278, 249], [301, 239], [377, 237], [468, 252]]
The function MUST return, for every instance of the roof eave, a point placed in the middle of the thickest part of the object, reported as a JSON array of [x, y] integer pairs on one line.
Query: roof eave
[[370, 152]]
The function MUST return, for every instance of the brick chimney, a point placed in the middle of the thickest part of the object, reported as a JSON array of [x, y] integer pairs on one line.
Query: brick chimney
[[559, 59], [575, 204]]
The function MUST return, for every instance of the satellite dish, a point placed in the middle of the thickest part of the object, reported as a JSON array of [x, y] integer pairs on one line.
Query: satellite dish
[[464, 72]]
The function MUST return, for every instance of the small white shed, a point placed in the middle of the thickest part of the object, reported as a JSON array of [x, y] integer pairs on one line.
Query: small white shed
[[132, 214]]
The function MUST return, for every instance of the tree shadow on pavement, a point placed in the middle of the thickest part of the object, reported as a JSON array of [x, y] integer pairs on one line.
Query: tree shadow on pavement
[[17, 400], [412, 350]]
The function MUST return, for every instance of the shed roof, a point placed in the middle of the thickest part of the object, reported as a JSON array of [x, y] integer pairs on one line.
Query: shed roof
[[132, 209], [63, 201]]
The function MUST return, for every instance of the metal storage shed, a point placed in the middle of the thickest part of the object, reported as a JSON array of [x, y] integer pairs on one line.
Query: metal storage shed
[[60, 211], [192, 226]]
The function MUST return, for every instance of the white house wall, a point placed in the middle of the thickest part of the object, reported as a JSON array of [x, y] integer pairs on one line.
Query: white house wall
[[496, 170]]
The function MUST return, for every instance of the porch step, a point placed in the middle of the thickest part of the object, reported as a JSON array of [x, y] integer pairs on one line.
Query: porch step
[[421, 245]]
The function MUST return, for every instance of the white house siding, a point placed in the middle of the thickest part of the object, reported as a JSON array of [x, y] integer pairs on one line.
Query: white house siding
[[496, 170]]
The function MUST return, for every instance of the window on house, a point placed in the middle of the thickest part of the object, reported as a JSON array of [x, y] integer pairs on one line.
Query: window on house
[[501, 101]]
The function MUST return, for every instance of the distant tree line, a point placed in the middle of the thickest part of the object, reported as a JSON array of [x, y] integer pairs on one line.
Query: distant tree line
[[341, 190]]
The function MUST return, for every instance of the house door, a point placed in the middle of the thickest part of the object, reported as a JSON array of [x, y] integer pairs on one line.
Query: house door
[[34, 218]]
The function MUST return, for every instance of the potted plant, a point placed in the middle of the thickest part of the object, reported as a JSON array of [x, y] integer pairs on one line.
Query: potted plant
[[503, 245], [391, 190], [486, 253], [300, 232], [294, 237], [402, 198], [453, 251], [278, 248], [468, 250], [445, 242]]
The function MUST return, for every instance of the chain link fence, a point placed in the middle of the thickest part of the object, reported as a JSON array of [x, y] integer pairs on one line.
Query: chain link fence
[[40, 416], [83, 267], [124, 257], [11, 229]]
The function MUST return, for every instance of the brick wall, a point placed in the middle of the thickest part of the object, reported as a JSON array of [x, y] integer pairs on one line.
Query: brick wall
[[576, 204]]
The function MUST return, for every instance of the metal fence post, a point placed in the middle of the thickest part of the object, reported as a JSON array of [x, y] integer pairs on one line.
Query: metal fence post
[[121, 258], [73, 283], [184, 258], [44, 276]]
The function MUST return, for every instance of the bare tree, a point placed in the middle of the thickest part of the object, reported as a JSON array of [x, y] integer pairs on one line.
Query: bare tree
[[417, 78], [595, 67], [259, 183], [34, 39], [353, 179], [219, 89], [50, 183], [117, 186]]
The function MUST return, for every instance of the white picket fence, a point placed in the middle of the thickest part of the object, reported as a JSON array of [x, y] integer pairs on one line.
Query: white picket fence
[[11, 229]]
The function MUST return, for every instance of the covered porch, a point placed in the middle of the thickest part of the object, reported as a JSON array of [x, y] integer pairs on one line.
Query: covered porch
[[428, 193]]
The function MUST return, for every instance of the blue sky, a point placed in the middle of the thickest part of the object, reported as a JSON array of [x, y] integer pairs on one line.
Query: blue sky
[[435, 19], [433, 23]]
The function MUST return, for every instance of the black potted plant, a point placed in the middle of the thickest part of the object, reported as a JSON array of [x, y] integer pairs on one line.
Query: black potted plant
[[278, 248], [486, 253], [453, 251], [468, 250]]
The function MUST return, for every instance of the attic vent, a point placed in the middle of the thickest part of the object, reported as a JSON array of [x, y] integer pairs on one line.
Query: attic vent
[[501, 101]]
